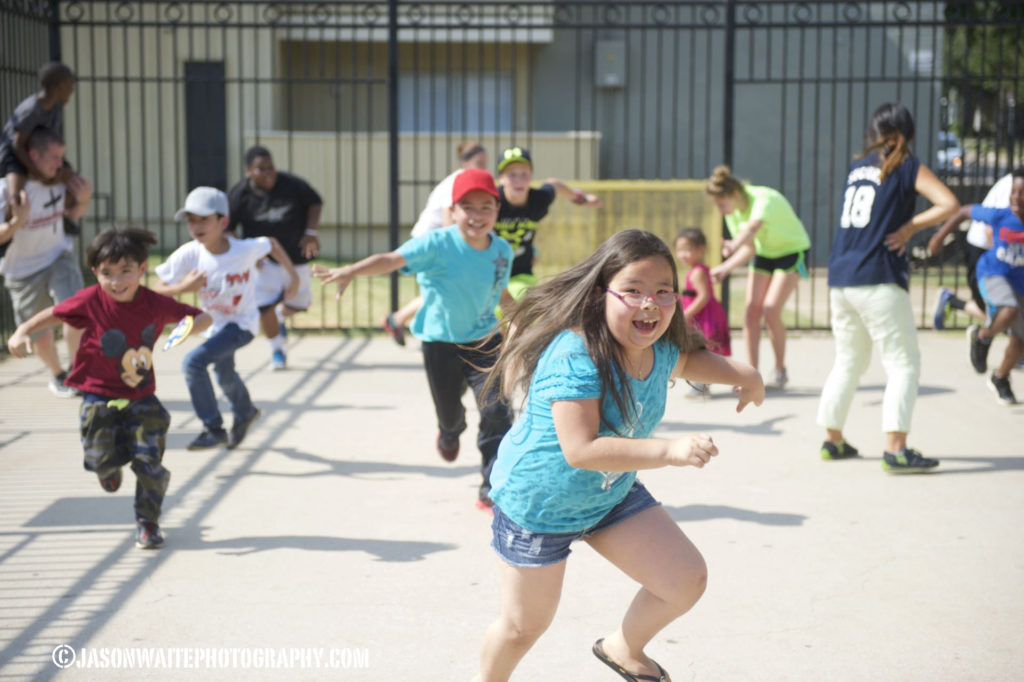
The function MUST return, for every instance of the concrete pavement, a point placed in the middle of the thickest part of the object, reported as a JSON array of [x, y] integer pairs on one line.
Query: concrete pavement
[[336, 531]]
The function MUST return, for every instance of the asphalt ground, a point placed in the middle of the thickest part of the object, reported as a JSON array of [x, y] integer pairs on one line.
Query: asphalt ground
[[335, 531]]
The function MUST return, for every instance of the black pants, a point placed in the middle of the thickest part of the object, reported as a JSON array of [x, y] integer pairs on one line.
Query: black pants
[[450, 369]]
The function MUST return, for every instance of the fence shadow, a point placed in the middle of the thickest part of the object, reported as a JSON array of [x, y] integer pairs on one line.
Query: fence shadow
[[103, 517]]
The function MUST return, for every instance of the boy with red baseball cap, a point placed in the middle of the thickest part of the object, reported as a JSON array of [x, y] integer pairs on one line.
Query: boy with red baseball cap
[[463, 272]]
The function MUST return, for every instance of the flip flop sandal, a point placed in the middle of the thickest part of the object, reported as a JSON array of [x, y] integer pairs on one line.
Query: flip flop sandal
[[598, 650]]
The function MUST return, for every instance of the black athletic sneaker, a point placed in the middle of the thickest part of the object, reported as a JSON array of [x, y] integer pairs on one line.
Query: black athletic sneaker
[[979, 349], [907, 461], [148, 535], [207, 440], [240, 428], [843, 450], [1001, 387], [447, 446]]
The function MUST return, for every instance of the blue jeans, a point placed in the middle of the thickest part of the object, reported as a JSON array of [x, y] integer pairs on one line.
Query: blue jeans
[[520, 547], [219, 351]]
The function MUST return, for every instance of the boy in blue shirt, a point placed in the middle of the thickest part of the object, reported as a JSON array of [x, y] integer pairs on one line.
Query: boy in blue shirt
[[1000, 272], [463, 273]]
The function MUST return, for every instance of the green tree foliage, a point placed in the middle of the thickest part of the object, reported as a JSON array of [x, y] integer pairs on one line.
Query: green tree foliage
[[985, 40]]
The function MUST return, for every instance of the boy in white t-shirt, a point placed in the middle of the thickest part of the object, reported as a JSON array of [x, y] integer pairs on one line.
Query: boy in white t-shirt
[[222, 270]]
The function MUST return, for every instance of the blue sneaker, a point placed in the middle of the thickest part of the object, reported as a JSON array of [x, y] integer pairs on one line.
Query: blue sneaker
[[282, 328], [277, 360], [835, 451], [907, 461], [942, 308]]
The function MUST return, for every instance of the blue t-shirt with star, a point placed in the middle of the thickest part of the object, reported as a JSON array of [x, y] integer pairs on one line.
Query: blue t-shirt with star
[[532, 482], [1006, 257], [460, 285]]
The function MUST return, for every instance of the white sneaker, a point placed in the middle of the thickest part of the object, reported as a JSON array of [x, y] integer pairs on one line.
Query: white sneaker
[[781, 378], [57, 387]]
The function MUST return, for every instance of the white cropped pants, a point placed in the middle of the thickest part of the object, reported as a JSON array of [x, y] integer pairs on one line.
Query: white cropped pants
[[879, 315]]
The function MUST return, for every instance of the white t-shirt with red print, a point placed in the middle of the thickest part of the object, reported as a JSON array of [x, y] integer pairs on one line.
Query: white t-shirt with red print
[[229, 292]]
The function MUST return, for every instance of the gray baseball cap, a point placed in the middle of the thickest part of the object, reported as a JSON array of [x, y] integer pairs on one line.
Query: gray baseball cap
[[204, 201]]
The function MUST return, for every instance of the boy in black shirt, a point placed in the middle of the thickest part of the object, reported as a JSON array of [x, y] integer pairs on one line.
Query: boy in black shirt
[[522, 207]]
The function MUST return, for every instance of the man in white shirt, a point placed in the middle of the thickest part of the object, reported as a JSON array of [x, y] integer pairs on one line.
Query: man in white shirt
[[38, 264]]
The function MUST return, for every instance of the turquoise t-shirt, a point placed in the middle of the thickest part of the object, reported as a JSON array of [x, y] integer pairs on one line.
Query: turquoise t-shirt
[[460, 286], [531, 481]]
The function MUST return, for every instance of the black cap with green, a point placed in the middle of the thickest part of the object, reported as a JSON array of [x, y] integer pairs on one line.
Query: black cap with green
[[514, 155]]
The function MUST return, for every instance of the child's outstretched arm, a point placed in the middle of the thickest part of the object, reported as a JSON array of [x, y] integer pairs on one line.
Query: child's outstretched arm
[[935, 243], [576, 196], [577, 423], [20, 343], [705, 367], [377, 264], [281, 256], [193, 281]]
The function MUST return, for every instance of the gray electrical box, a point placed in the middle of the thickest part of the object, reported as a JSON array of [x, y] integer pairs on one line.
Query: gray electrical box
[[610, 63]]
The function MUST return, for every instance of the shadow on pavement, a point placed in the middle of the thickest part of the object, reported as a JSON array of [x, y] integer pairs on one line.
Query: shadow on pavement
[[709, 512]]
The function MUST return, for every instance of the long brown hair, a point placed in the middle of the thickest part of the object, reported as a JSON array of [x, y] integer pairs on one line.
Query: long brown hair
[[889, 134], [575, 299]]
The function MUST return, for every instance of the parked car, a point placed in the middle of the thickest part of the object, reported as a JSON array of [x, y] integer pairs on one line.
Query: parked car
[[950, 154]]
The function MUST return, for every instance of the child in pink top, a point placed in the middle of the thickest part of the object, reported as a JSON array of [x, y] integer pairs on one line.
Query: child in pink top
[[698, 304]]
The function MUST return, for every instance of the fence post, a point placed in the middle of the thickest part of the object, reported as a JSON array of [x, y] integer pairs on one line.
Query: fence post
[[53, 21], [728, 113], [393, 141]]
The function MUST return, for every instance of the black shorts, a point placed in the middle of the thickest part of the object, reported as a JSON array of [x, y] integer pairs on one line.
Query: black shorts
[[793, 262]]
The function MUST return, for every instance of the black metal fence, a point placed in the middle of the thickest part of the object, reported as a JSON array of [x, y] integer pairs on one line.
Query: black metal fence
[[367, 100]]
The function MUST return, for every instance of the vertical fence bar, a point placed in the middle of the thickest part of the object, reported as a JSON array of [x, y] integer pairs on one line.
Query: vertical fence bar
[[53, 29], [393, 140], [728, 112]]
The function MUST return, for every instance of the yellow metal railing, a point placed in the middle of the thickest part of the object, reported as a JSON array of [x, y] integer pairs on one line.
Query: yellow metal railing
[[570, 233]]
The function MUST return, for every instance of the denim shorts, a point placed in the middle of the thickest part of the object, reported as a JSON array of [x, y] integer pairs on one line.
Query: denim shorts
[[520, 547]]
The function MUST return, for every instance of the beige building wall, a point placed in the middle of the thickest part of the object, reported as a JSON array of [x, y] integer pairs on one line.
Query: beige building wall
[[126, 124]]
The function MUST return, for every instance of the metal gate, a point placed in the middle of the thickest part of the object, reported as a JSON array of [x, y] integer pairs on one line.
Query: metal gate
[[367, 101]]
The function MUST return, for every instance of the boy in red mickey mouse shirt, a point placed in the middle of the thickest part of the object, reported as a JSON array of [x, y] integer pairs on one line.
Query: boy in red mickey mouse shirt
[[122, 421]]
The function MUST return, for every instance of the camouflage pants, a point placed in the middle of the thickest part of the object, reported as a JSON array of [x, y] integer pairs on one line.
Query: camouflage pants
[[115, 434]]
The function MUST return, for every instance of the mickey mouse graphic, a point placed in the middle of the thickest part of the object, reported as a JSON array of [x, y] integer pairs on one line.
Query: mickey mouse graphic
[[136, 363]]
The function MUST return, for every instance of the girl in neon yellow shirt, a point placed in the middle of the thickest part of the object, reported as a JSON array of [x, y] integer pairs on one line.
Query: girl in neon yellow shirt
[[767, 233]]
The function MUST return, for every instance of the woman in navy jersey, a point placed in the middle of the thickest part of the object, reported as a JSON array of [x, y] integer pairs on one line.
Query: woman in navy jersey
[[868, 278]]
